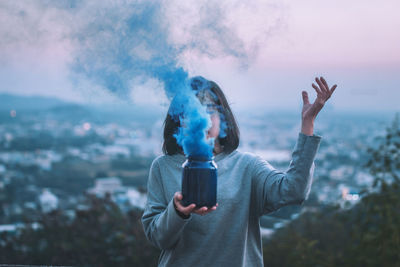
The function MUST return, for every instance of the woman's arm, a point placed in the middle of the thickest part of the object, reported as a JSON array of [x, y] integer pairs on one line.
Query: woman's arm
[[274, 189], [161, 223]]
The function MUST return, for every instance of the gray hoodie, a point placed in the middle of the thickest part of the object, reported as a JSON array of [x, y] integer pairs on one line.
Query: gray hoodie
[[247, 188]]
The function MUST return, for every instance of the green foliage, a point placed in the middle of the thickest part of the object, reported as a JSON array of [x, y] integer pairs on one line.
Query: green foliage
[[100, 235], [366, 235], [309, 241], [384, 163], [376, 228]]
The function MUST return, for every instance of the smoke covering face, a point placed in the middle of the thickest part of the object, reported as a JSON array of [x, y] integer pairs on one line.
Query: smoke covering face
[[194, 120], [118, 45], [192, 106]]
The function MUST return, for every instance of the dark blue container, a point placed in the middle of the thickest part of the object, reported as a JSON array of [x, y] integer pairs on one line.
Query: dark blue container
[[199, 182]]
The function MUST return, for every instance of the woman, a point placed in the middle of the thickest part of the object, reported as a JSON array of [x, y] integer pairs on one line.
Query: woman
[[247, 188]]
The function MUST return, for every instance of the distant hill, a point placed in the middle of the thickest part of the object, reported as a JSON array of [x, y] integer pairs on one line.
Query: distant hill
[[40, 106], [69, 109], [9, 101]]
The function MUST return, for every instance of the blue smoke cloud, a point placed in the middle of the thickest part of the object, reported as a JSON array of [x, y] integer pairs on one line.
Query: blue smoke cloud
[[132, 41], [115, 49]]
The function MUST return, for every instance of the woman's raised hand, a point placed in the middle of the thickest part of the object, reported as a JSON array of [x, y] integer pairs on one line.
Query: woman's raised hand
[[310, 111], [192, 207]]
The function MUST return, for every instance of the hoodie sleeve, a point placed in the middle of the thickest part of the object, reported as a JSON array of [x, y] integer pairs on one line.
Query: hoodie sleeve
[[274, 189], [161, 223]]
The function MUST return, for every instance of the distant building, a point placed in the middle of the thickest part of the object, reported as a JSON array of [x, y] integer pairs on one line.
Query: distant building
[[110, 185], [17, 226], [48, 201], [8, 227], [124, 197], [3, 169], [136, 198], [350, 196]]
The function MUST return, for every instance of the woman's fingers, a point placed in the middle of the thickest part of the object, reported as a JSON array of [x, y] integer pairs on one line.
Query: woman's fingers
[[333, 88], [192, 207], [188, 209], [177, 197], [321, 85], [323, 94], [201, 210], [185, 210], [306, 101], [325, 83], [324, 89], [316, 89], [204, 210]]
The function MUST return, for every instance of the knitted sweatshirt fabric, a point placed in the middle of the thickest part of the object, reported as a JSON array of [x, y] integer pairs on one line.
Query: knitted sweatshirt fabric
[[247, 188]]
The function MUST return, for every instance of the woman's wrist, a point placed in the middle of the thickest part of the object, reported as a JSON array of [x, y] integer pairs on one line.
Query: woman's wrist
[[307, 126]]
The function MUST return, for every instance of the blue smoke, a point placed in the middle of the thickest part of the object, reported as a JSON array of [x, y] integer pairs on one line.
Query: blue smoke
[[115, 49], [192, 106], [132, 42], [195, 121]]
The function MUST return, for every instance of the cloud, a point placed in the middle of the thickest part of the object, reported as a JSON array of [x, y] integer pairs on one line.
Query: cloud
[[111, 43]]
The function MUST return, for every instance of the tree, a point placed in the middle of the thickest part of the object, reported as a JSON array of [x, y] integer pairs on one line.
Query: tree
[[384, 162], [366, 235], [100, 235]]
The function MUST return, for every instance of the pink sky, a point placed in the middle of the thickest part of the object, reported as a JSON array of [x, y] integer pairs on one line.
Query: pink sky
[[352, 43]]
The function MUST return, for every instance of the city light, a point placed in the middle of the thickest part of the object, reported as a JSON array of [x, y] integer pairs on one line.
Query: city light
[[87, 126], [13, 113]]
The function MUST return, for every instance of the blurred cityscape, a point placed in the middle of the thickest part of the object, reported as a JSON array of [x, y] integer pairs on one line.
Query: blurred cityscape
[[52, 153]]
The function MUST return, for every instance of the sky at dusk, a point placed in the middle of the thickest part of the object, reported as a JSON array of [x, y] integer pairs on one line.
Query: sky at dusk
[[261, 53]]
